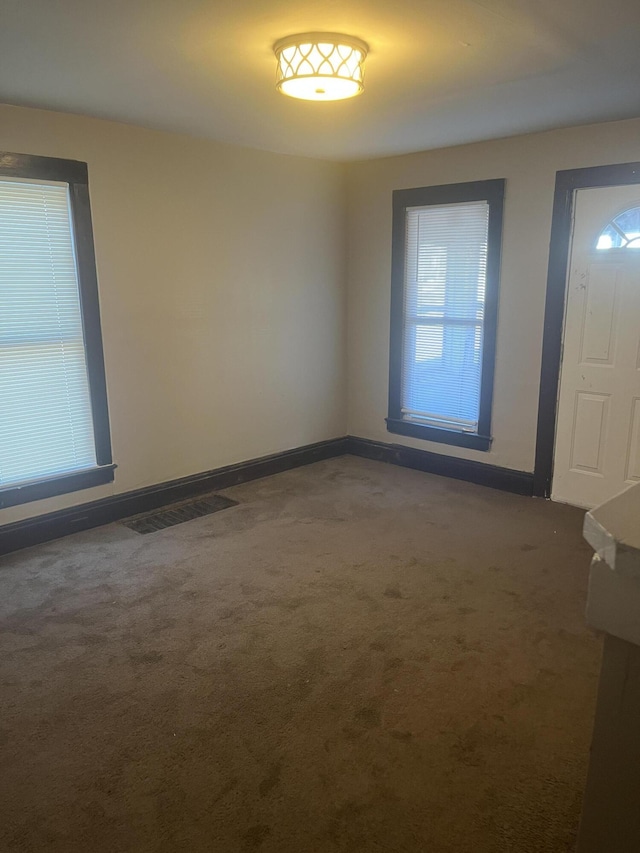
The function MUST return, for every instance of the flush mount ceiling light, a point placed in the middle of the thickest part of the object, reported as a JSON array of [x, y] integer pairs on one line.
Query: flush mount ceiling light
[[320, 66]]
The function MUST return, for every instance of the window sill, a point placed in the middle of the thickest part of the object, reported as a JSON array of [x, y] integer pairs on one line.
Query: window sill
[[442, 436], [38, 490]]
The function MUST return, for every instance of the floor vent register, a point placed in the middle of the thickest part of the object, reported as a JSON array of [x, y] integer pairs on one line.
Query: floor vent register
[[169, 516]]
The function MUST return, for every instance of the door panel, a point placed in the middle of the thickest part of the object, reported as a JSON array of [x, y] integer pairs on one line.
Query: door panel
[[633, 454], [597, 448], [599, 318], [589, 432]]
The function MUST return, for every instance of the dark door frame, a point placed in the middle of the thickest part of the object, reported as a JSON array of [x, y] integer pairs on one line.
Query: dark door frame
[[567, 182]]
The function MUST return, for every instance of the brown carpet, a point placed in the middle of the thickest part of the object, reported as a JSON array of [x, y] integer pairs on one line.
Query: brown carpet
[[358, 657]]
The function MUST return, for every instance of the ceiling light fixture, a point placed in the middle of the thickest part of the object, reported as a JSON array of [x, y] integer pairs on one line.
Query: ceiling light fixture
[[320, 66]]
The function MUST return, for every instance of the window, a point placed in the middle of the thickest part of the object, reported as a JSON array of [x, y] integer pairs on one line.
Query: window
[[54, 431], [444, 300], [623, 232]]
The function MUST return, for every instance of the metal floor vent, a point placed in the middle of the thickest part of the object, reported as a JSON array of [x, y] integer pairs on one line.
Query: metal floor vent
[[178, 513]]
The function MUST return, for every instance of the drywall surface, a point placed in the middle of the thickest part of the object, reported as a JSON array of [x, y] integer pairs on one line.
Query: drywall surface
[[529, 164], [221, 274]]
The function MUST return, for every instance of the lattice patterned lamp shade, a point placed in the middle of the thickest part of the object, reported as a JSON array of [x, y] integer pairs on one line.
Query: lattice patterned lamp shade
[[320, 66]]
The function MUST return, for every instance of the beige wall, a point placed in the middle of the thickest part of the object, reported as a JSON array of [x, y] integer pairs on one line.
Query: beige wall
[[529, 163], [222, 289]]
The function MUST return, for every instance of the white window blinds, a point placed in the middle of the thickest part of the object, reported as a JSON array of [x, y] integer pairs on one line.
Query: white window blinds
[[444, 295], [46, 426]]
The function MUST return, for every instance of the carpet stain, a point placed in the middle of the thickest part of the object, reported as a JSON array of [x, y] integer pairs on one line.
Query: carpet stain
[[403, 736], [369, 716], [146, 657], [256, 835], [393, 591], [271, 780]]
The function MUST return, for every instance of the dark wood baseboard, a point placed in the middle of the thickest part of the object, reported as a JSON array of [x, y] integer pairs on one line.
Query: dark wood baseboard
[[53, 525], [506, 479]]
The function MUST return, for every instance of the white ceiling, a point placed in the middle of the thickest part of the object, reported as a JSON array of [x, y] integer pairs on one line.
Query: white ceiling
[[440, 72]]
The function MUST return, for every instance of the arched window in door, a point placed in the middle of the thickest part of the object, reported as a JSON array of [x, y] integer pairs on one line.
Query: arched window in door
[[623, 232]]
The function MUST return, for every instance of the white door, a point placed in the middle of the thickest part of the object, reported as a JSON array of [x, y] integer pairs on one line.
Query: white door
[[597, 447]]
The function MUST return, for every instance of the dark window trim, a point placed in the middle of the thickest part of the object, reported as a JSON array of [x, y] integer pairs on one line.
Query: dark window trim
[[493, 192], [49, 487], [444, 436], [567, 182], [75, 174]]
